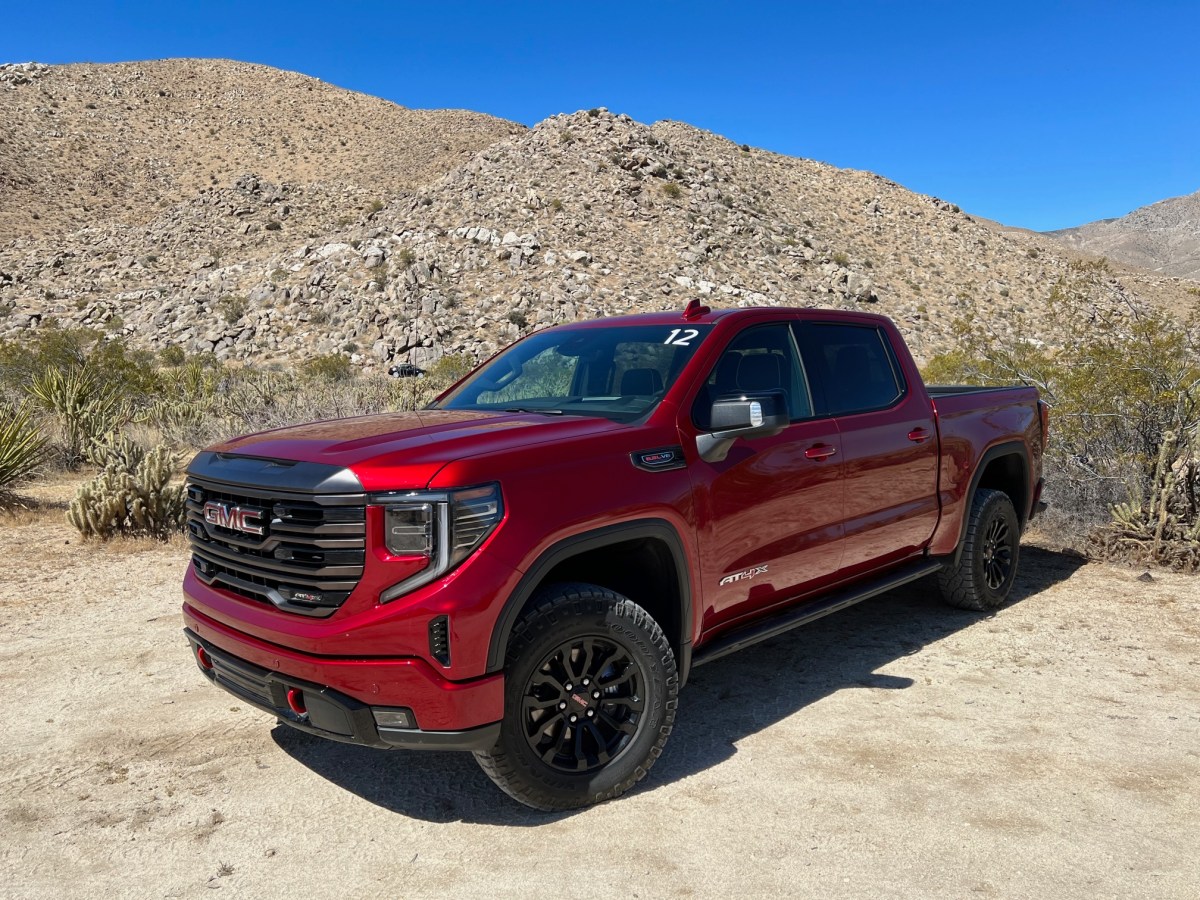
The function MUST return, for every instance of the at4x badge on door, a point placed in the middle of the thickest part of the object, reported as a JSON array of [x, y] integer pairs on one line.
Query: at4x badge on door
[[743, 576]]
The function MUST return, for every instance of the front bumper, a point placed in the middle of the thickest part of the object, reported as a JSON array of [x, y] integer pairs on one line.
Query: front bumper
[[341, 696]]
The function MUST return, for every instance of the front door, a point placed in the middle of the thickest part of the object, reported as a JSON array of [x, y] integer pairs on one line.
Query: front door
[[771, 511]]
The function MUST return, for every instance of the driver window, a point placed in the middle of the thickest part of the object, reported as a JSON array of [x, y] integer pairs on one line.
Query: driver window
[[761, 358]]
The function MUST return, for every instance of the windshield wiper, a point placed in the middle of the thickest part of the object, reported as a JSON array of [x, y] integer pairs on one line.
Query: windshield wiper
[[526, 409]]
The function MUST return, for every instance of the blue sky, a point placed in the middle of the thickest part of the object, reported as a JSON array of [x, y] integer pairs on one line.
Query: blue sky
[[1041, 115]]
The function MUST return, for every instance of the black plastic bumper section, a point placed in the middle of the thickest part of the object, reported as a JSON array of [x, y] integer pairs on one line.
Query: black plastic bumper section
[[327, 713]]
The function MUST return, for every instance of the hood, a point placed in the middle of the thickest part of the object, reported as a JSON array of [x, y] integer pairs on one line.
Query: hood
[[390, 451]]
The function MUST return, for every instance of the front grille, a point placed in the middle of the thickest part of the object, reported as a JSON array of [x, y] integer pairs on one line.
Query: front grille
[[308, 558]]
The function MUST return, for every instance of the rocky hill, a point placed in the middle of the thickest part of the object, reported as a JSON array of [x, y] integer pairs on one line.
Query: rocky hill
[[100, 144], [584, 215], [1162, 237]]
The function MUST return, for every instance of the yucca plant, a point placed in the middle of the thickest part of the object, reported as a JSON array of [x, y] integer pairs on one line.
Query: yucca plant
[[22, 448], [85, 407]]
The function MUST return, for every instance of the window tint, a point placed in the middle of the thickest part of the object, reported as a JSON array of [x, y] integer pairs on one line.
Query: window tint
[[856, 367], [762, 358]]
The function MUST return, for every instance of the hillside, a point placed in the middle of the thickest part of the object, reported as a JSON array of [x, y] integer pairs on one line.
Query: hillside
[[584, 215], [1162, 237], [96, 144]]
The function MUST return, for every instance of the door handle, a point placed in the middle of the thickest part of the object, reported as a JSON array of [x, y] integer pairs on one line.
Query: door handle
[[919, 435], [820, 451]]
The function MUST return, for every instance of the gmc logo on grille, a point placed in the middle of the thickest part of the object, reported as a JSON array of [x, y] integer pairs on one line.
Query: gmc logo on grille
[[236, 518]]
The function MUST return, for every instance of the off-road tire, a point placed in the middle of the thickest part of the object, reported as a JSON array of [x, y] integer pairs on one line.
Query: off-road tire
[[550, 638], [987, 566]]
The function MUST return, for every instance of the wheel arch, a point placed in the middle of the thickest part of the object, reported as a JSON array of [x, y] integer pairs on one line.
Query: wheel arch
[[1003, 467], [653, 572]]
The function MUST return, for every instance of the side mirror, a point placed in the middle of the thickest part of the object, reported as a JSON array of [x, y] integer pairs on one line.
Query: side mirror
[[751, 415]]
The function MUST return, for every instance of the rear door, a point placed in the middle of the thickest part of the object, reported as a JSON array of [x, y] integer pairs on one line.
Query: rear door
[[888, 442], [770, 512]]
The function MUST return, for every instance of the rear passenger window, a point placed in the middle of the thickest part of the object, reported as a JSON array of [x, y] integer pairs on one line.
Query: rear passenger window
[[855, 367]]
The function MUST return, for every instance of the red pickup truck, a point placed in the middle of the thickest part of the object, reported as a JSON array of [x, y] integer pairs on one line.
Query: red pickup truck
[[530, 567]]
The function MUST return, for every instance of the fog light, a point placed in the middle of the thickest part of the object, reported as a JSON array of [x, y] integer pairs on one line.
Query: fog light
[[394, 718], [203, 658]]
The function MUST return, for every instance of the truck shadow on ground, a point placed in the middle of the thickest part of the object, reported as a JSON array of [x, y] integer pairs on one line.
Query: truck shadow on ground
[[722, 703]]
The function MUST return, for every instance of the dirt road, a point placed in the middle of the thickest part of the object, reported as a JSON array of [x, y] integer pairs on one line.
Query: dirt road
[[898, 749]]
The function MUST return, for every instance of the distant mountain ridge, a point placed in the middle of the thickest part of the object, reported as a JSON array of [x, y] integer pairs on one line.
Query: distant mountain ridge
[[266, 216], [1162, 237]]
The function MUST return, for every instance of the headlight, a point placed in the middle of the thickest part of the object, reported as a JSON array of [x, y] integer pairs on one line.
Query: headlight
[[431, 533]]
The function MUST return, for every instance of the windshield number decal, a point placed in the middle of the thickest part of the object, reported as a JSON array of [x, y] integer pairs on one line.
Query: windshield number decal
[[675, 339]]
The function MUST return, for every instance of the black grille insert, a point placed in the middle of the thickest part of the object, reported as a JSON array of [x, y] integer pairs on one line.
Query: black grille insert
[[307, 559]]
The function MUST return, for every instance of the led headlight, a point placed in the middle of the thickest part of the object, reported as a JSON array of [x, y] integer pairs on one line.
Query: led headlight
[[436, 531]]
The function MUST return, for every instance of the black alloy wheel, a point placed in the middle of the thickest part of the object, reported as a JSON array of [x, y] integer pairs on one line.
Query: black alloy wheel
[[583, 704], [982, 576], [997, 553], [590, 695]]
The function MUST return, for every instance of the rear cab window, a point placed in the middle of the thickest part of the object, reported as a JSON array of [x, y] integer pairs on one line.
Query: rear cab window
[[853, 367]]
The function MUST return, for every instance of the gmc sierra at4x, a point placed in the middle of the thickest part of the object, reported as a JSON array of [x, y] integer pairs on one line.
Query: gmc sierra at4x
[[529, 567]]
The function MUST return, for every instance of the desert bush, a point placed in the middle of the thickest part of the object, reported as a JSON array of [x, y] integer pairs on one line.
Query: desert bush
[[329, 367], [172, 356], [109, 360], [232, 308], [131, 502], [1123, 384], [672, 190], [22, 448]]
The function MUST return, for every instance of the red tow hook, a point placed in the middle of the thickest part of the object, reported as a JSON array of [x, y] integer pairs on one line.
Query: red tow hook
[[203, 658], [295, 702]]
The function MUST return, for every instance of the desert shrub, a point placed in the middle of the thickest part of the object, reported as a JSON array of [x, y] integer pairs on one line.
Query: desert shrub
[[172, 356], [449, 369], [517, 318], [672, 190], [131, 502], [1123, 384], [841, 259], [109, 360], [22, 448], [232, 308], [329, 367], [376, 205]]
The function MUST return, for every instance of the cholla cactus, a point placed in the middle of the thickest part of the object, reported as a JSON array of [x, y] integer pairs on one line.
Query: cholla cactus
[[1164, 527], [138, 502], [116, 447]]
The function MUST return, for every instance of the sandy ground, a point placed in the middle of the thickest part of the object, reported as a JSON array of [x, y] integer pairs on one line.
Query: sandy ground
[[898, 749]]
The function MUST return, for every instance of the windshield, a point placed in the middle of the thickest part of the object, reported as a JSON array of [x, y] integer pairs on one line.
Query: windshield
[[620, 373]]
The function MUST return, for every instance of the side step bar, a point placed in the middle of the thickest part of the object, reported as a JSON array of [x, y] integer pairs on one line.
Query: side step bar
[[810, 612]]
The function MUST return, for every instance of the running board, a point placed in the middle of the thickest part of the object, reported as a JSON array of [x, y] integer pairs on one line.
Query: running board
[[810, 612]]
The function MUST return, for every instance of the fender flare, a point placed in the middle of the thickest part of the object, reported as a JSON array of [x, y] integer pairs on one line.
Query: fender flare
[[993, 453], [565, 549]]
